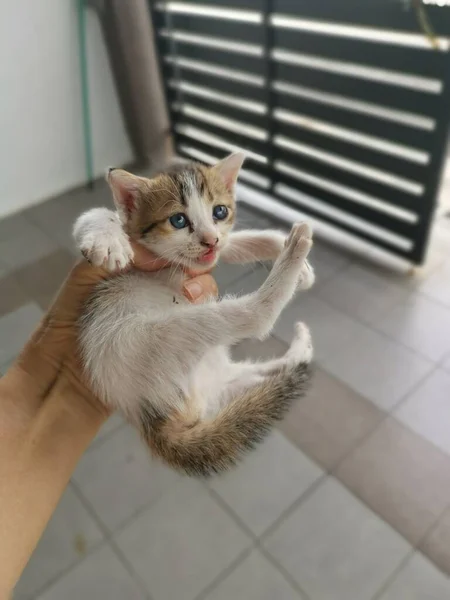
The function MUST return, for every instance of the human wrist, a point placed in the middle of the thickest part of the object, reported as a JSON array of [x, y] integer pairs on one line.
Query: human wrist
[[24, 398]]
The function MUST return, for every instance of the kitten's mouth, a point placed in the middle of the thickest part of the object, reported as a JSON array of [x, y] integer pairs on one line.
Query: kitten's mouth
[[207, 257]]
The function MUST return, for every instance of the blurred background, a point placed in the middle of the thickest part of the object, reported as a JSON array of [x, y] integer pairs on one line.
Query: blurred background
[[343, 109]]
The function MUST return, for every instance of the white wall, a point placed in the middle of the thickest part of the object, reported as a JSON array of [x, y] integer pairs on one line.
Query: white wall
[[41, 129]]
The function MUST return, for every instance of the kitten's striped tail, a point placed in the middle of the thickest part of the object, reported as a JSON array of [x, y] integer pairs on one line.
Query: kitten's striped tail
[[205, 447]]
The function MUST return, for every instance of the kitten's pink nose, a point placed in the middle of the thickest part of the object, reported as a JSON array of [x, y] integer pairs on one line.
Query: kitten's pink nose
[[209, 240]]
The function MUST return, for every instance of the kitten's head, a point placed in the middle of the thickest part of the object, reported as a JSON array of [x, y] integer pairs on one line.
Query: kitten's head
[[183, 214]]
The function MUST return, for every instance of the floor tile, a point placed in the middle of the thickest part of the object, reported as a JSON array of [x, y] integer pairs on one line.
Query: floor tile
[[5, 366], [13, 295], [379, 369], [437, 543], [100, 576], [446, 363], [42, 279], [250, 282], [70, 535], [420, 324], [29, 245], [118, 477], [378, 264], [330, 420], [181, 543], [440, 233], [226, 274], [437, 285], [16, 328], [427, 410], [361, 293], [258, 490], [256, 350], [400, 476], [335, 547], [247, 218], [329, 328], [15, 226], [254, 579], [57, 216], [112, 424], [419, 579], [327, 261]]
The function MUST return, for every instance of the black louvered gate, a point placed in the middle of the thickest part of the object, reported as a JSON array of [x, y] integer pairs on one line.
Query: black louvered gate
[[345, 124]]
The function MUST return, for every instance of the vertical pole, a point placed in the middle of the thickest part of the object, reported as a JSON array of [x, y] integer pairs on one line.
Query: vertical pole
[[87, 129]]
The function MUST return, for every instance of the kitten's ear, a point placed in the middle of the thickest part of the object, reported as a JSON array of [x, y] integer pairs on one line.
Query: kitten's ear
[[228, 169], [126, 189]]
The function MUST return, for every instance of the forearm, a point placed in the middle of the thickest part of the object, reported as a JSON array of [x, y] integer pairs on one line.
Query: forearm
[[40, 444], [252, 246]]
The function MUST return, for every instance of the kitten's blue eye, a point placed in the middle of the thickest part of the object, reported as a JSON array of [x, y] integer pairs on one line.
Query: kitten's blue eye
[[179, 221], [220, 212]]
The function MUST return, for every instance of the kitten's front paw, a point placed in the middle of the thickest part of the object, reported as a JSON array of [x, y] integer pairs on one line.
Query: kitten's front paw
[[299, 242], [307, 276], [112, 253]]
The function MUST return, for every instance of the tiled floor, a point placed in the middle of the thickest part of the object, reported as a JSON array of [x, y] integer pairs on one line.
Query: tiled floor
[[348, 500]]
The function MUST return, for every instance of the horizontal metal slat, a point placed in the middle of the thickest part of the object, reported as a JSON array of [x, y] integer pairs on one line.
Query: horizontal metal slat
[[387, 14], [226, 4], [242, 141], [245, 32], [351, 180], [250, 118], [218, 83], [373, 239], [360, 89], [418, 61], [253, 165], [252, 64], [386, 162], [352, 208], [365, 124]]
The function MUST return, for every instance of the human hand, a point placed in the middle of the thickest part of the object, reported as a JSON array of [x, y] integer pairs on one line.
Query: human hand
[[51, 357]]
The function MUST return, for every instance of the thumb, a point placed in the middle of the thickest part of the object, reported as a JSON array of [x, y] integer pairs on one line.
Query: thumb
[[145, 260], [200, 288]]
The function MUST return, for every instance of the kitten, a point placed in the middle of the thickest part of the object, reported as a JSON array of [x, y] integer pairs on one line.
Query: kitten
[[165, 362]]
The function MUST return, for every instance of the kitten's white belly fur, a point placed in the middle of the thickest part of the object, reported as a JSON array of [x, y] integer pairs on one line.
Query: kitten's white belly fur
[[154, 297]]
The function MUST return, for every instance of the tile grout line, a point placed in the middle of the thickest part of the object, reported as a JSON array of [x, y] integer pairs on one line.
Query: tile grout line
[[136, 513], [372, 327], [284, 572], [276, 523], [409, 393], [48, 584], [257, 539], [104, 437], [225, 572], [415, 550], [392, 577], [333, 473], [108, 538]]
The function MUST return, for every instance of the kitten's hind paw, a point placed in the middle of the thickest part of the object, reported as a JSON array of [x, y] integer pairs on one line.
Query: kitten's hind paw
[[301, 349]]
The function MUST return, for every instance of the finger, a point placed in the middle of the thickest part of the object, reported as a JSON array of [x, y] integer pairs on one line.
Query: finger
[[200, 288], [146, 260]]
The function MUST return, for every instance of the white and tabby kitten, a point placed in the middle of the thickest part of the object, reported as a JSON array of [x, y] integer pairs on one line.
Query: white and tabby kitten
[[165, 362]]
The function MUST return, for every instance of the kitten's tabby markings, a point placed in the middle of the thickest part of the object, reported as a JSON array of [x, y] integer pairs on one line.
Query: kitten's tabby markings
[[166, 364]]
